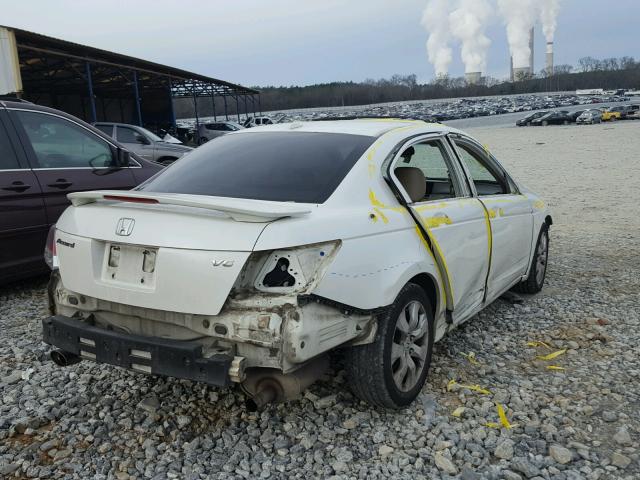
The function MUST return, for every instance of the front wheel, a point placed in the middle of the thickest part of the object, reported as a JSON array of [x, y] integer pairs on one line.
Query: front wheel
[[538, 270], [391, 371]]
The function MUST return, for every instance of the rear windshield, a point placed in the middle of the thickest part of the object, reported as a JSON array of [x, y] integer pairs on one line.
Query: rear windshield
[[280, 166]]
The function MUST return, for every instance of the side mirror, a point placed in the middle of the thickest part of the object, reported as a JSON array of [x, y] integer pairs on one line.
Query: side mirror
[[142, 139], [123, 157]]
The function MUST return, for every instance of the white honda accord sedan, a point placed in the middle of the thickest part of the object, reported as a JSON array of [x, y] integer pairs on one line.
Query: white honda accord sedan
[[257, 254]]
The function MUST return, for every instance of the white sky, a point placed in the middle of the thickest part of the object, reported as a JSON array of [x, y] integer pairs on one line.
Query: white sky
[[285, 42]]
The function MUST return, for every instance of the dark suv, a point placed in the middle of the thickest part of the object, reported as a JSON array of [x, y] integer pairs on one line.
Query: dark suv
[[45, 154]]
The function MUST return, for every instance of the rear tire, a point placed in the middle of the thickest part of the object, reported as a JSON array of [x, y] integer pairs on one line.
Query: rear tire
[[391, 371], [203, 140], [538, 270]]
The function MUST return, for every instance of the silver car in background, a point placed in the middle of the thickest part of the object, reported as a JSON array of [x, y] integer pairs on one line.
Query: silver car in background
[[210, 130], [141, 141], [590, 116]]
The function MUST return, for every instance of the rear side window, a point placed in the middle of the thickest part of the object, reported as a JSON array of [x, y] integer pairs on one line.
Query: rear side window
[[8, 160], [280, 166]]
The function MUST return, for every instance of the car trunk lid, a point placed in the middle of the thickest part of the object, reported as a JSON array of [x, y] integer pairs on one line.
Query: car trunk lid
[[177, 254]]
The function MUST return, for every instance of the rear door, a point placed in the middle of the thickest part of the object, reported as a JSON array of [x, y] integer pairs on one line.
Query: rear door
[[509, 213], [68, 157], [23, 223], [453, 221]]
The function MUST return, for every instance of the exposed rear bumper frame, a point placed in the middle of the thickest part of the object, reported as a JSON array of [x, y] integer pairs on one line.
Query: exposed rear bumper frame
[[153, 355]]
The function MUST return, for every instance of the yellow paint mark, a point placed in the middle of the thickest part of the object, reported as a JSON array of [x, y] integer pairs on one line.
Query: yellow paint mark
[[503, 417], [471, 356], [458, 412], [492, 213], [501, 212], [538, 205], [435, 222], [374, 217], [539, 344], [489, 234], [554, 367], [372, 170], [431, 206], [381, 215], [426, 245], [473, 388], [553, 355], [375, 202]]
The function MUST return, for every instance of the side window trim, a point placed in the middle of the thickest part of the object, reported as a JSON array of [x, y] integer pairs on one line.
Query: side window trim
[[459, 187]]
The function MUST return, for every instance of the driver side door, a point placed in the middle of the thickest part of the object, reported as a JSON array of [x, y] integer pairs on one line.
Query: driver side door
[[67, 157]]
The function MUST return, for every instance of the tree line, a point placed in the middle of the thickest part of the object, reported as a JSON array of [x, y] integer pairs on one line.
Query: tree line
[[609, 73]]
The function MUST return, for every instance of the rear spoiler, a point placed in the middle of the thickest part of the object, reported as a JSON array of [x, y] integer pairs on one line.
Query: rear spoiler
[[240, 209]]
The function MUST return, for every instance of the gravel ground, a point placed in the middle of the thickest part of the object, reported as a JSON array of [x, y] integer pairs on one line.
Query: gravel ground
[[581, 422]]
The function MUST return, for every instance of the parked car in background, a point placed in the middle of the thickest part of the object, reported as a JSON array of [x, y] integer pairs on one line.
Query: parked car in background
[[44, 155], [210, 130], [590, 117], [526, 121], [613, 113], [264, 270], [574, 115], [251, 122], [144, 143], [632, 112], [561, 117]]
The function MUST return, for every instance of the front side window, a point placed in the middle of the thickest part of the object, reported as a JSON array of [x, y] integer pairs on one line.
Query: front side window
[[430, 158], [108, 129], [301, 167], [8, 160], [487, 177], [129, 135], [59, 143]]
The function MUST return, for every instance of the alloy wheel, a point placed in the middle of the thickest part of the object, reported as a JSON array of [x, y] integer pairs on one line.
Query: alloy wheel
[[410, 346]]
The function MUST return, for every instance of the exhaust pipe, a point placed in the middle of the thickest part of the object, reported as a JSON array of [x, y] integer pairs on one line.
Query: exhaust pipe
[[267, 385], [64, 359], [266, 395]]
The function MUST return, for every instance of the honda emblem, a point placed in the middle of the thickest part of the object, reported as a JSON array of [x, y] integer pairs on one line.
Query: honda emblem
[[125, 227]]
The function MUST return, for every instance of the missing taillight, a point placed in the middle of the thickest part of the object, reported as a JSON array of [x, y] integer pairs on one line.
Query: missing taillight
[[279, 276]]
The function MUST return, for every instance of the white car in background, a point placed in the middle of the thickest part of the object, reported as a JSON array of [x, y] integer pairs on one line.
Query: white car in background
[[261, 252]]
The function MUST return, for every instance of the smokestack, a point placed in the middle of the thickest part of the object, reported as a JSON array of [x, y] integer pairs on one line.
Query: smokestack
[[531, 69], [511, 77], [549, 58], [473, 78]]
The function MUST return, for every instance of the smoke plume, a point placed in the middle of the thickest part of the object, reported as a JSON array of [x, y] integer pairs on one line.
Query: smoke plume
[[519, 16], [435, 20], [549, 10], [467, 23]]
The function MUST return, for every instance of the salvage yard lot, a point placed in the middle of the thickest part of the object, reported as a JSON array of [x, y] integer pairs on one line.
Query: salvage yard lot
[[577, 420]]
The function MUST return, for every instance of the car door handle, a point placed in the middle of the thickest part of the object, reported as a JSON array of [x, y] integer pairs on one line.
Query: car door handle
[[17, 187], [60, 183]]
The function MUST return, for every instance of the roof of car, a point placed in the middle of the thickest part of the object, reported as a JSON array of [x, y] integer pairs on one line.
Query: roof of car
[[372, 127]]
